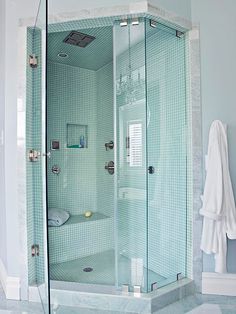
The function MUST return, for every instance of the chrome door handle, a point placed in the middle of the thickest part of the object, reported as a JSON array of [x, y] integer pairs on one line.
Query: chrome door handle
[[151, 170]]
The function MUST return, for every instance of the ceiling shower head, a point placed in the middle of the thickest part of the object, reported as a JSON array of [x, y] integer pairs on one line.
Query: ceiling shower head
[[78, 39]]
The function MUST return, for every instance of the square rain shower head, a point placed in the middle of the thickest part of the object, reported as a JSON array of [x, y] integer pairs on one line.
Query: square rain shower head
[[78, 39]]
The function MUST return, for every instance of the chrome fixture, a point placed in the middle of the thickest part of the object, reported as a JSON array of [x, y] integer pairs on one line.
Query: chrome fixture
[[151, 170], [34, 155], [123, 22], [110, 167], [135, 21], [56, 169], [62, 55], [109, 145], [153, 23], [88, 269]]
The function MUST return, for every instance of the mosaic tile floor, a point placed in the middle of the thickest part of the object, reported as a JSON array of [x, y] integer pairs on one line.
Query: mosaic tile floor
[[103, 265]]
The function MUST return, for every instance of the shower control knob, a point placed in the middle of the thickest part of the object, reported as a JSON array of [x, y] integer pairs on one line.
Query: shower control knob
[[151, 169]]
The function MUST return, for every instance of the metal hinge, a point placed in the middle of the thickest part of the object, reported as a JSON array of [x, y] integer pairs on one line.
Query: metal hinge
[[33, 61], [35, 250], [33, 155], [179, 276], [179, 34], [154, 286]]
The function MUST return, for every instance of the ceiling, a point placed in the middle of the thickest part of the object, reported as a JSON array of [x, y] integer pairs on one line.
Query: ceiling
[[97, 54]]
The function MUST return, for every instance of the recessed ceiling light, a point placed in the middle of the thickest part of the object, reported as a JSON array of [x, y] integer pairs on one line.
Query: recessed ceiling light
[[62, 55]]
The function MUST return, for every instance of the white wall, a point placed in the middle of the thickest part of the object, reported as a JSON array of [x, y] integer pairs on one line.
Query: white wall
[[217, 20]]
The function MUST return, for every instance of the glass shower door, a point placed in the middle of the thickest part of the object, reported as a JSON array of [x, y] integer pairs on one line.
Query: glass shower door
[[167, 153], [130, 155], [151, 155], [36, 95]]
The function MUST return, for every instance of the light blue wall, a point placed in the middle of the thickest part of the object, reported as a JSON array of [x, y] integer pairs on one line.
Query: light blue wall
[[180, 7], [3, 248], [218, 67]]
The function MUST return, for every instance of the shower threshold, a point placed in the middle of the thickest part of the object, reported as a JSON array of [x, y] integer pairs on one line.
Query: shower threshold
[[108, 298]]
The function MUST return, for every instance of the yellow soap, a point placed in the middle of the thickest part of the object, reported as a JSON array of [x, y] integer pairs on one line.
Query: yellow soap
[[88, 214]]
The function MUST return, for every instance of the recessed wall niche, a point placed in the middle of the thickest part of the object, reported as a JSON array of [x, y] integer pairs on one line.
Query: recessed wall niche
[[77, 136]]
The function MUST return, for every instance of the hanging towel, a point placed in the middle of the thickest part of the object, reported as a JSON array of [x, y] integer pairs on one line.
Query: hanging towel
[[57, 217], [218, 207]]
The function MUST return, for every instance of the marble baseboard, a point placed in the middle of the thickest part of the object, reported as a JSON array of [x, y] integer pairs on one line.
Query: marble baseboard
[[11, 285], [219, 284]]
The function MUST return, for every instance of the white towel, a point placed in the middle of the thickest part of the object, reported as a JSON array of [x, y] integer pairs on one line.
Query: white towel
[[218, 200], [57, 217]]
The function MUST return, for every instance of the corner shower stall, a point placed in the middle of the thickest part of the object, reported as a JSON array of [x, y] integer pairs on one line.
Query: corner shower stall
[[117, 153]]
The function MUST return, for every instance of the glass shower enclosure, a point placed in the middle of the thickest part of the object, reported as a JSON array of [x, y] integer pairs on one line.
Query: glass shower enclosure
[[116, 123], [117, 135]]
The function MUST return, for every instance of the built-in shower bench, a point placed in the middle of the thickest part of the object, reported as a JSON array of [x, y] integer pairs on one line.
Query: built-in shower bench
[[76, 219], [79, 237]]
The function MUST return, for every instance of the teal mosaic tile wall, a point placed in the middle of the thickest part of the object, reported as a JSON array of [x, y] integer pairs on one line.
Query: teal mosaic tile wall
[[85, 97], [72, 99], [105, 134], [35, 220], [29, 166]]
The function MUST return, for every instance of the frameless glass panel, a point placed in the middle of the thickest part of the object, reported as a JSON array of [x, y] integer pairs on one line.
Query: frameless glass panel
[[130, 129], [166, 136], [35, 122]]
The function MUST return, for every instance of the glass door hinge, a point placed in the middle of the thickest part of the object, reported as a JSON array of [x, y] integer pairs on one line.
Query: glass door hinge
[[33, 61], [33, 155], [154, 286], [179, 276], [35, 250]]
